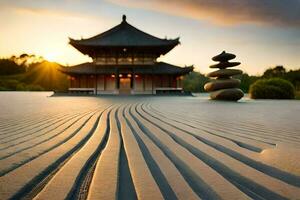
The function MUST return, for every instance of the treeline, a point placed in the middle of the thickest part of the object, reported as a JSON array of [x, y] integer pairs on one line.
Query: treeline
[[31, 73], [195, 81]]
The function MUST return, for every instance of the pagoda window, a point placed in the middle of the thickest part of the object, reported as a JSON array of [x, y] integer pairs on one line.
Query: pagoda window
[[100, 61], [125, 61], [149, 59], [125, 58], [111, 60], [138, 59]]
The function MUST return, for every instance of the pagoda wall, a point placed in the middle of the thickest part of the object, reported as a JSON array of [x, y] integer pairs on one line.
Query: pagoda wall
[[107, 84], [148, 84], [100, 84]]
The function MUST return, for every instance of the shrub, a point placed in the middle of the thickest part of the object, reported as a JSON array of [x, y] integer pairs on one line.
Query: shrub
[[21, 87], [273, 88], [3, 88], [9, 84]]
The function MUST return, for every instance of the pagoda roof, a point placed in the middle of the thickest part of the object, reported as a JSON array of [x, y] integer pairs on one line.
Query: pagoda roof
[[123, 36], [156, 68]]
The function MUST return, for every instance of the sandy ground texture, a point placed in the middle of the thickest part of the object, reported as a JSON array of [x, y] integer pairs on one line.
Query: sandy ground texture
[[147, 148]]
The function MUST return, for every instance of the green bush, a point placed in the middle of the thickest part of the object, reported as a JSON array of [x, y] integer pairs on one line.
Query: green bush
[[273, 88], [21, 87], [9, 84]]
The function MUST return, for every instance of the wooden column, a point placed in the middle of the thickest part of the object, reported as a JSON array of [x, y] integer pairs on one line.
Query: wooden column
[[96, 80]]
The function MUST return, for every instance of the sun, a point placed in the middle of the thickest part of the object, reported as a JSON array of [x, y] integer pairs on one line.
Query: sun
[[51, 56]]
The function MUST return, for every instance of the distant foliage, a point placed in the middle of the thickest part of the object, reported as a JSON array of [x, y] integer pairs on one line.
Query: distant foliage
[[31, 73], [280, 72], [9, 67], [246, 81], [194, 82], [277, 71], [273, 88]]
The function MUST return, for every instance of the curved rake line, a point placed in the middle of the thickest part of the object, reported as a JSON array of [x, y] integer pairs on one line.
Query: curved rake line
[[250, 124], [33, 125], [239, 143], [28, 139], [13, 121], [33, 187], [82, 183], [199, 186], [266, 135], [18, 135], [9, 169], [246, 185], [45, 140], [227, 130], [124, 170], [209, 127], [37, 136], [156, 172], [266, 169], [245, 124], [29, 123]]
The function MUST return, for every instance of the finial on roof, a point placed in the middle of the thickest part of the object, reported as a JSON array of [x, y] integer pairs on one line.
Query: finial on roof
[[124, 18]]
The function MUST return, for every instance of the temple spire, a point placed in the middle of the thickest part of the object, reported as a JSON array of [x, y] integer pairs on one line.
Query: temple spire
[[124, 18]]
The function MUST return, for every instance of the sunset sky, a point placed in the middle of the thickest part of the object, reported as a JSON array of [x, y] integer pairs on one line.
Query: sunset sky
[[262, 33]]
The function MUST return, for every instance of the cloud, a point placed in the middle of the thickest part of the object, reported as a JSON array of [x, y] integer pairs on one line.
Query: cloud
[[227, 12], [49, 12]]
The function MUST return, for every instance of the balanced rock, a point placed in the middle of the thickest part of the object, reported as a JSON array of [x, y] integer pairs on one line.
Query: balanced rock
[[232, 94], [224, 73], [223, 65], [222, 84], [224, 87], [223, 57]]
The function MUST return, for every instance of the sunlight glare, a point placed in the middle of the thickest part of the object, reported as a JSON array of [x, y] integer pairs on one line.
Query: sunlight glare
[[51, 56]]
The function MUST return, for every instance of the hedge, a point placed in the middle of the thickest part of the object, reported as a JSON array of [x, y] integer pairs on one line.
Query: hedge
[[273, 88]]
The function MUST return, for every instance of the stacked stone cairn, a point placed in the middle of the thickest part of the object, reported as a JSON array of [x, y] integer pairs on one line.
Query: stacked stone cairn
[[224, 87]]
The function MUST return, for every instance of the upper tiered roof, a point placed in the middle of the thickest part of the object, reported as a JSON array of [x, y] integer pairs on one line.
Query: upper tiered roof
[[161, 68], [124, 37]]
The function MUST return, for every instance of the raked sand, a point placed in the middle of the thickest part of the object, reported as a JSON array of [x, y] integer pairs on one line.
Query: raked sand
[[147, 148]]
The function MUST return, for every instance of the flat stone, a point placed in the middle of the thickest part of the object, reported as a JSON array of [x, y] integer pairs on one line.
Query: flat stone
[[224, 73], [223, 65], [224, 57], [233, 94], [222, 84]]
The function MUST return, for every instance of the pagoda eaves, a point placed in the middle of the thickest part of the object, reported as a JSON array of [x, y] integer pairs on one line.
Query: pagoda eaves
[[124, 37]]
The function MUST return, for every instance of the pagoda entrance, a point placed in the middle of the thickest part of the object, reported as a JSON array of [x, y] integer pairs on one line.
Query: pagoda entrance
[[125, 85]]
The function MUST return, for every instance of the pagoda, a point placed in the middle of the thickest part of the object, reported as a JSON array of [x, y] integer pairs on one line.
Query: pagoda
[[125, 62]]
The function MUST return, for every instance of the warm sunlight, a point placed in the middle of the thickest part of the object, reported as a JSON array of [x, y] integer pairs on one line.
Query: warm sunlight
[[51, 56], [131, 99]]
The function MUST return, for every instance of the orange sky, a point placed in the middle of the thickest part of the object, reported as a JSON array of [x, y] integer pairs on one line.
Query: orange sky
[[258, 39]]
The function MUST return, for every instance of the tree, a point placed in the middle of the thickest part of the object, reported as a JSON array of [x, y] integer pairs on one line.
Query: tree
[[9, 67], [194, 82], [277, 71]]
